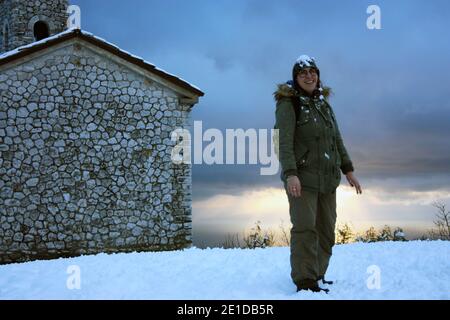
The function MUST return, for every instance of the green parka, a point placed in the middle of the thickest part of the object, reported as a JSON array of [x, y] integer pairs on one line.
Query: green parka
[[311, 145]]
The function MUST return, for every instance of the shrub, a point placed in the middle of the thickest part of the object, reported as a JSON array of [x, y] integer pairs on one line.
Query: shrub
[[344, 234], [257, 238]]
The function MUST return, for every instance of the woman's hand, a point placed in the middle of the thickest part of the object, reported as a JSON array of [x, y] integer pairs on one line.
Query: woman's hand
[[353, 182], [294, 187]]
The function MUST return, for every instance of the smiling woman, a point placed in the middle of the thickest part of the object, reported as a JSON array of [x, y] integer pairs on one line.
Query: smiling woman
[[311, 152]]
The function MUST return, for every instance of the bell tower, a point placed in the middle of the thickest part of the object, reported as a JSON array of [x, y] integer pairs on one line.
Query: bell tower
[[26, 21]]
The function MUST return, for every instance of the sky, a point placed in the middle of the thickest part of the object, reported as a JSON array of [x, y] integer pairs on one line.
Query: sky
[[390, 96]]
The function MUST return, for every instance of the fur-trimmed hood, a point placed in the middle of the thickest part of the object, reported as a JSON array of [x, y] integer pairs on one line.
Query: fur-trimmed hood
[[285, 90]]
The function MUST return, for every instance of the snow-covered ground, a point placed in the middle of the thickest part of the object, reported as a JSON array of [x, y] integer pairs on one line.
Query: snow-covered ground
[[403, 270]]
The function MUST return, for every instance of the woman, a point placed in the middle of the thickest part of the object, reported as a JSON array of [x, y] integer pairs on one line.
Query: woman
[[311, 153]]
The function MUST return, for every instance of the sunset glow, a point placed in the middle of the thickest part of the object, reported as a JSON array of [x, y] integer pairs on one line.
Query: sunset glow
[[271, 207]]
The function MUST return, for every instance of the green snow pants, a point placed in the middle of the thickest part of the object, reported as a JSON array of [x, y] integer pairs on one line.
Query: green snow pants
[[313, 218]]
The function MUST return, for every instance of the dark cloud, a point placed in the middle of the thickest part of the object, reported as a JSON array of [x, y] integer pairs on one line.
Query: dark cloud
[[232, 180], [390, 85]]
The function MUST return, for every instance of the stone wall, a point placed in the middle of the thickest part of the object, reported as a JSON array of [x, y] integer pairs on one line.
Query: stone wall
[[85, 161], [5, 10], [22, 14]]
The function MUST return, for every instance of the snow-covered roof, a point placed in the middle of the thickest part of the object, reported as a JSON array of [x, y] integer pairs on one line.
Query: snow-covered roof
[[72, 33]]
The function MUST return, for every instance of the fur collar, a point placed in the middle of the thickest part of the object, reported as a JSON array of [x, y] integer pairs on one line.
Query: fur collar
[[285, 90]]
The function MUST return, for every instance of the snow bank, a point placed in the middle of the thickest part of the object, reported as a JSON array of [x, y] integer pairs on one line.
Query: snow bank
[[407, 270]]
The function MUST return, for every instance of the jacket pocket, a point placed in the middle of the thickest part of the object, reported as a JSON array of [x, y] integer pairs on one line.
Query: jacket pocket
[[302, 158], [306, 128], [304, 118]]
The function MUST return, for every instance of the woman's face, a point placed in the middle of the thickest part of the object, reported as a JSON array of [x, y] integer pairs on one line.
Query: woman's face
[[307, 79]]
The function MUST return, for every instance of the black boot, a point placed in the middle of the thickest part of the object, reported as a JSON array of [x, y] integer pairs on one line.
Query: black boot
[[322, 278], [309, 284]]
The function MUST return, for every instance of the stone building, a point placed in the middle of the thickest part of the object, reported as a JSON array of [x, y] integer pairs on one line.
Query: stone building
[[85, 142]]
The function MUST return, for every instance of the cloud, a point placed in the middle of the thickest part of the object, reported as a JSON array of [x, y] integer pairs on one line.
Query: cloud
[[390, 85]]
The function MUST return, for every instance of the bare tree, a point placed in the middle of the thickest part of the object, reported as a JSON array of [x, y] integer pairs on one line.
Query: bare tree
[[201, 245], [442, 222], [285, 235], [232, 241]]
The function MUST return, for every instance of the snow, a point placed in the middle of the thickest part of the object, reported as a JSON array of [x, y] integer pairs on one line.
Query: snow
[[407, 270], [28, 46], [88, 34], [305, 60]]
